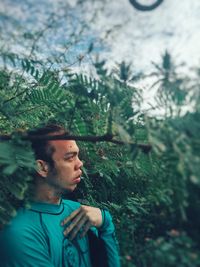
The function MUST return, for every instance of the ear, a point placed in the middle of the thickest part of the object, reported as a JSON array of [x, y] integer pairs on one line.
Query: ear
[[42, 168]]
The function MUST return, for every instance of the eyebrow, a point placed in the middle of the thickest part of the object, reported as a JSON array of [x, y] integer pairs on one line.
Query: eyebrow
[[71, 153]]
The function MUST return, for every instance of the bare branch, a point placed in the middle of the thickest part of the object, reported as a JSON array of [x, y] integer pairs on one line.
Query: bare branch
[[146, 148]]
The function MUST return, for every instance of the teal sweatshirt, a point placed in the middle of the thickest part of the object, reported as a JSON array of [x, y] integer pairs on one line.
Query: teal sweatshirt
[[34, 238]]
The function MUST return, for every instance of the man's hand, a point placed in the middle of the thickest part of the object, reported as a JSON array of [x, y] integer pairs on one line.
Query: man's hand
[[84, 218]]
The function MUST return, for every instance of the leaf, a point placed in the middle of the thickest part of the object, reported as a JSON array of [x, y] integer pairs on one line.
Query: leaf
[[10, 169]]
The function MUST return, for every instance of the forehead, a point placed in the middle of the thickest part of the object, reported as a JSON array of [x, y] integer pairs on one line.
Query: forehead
[[64, 146]]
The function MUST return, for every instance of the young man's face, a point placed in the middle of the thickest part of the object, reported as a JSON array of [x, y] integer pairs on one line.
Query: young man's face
[[67, 166]]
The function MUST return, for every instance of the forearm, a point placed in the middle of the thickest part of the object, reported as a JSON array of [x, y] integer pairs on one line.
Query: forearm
[[107, 234]]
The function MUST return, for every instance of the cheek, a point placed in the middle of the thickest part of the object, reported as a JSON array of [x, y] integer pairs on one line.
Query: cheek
[[66, 167]]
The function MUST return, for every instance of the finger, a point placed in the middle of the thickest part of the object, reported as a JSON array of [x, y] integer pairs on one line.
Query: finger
[[77, 228], [86, 228], [70, 217], [73, 223]]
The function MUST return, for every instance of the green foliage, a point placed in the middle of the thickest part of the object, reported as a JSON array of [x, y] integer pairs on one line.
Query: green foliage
[[17, 166], [175, 249], [154, 197]]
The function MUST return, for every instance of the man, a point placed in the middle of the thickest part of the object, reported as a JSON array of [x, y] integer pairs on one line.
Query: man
[[53, 232]]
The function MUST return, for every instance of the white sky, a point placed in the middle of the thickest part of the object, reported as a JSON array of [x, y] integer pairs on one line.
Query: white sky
[[141, 36], [144, 36]]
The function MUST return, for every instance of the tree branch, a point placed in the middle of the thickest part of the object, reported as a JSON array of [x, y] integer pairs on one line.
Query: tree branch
[[146, 148]]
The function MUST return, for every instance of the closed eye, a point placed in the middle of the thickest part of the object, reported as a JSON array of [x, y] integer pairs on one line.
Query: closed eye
[[70, 156]]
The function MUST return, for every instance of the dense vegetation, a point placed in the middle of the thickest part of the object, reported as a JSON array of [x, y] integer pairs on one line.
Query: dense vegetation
[[150, 183]]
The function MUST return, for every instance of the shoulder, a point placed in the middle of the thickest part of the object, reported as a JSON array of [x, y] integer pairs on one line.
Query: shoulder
[[23, 242], [26, 220], [22, 237], [73, 205], [25, 226]]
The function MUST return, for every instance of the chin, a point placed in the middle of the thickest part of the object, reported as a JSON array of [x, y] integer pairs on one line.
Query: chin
[[71, 188]]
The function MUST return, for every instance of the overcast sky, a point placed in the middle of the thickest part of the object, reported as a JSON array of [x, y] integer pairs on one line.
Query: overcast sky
[[143, 36], [137, 37]]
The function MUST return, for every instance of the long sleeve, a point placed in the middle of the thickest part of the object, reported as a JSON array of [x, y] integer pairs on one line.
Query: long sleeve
[[104, 249], [107, 234]]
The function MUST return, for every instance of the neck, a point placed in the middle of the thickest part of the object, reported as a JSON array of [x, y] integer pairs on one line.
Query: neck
[[44, 192]]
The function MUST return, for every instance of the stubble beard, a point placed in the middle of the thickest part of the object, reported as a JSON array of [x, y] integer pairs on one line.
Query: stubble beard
[[53, 181], [56, 184]]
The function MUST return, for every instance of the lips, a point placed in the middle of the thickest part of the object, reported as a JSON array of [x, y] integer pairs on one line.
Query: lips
[[78, 178]]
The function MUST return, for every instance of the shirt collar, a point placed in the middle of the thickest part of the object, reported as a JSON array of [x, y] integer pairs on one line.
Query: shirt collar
[[46, 207]]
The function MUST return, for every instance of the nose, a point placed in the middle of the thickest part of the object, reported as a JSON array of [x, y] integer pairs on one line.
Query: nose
[[79, 164]]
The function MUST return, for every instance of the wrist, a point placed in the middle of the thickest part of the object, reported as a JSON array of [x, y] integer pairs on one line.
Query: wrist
[[106, 219]]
